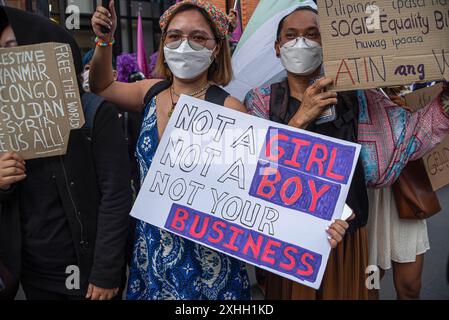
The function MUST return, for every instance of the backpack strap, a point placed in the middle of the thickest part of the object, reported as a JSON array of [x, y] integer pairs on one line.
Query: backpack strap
[[216, 95], [350, 111], [279, 98], [91, 102], [155, 90]]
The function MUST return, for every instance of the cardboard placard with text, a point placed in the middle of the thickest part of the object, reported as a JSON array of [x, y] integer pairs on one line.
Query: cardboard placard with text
[[419, 98], [370, 44], [436, 161], [39, 100], [437, 165], [256, 190]]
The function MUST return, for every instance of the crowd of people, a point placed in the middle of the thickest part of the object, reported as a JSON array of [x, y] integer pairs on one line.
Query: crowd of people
[[74, 209]]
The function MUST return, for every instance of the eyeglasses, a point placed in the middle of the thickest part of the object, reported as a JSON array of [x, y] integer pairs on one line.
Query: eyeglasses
[[197, 42], [290, 35]]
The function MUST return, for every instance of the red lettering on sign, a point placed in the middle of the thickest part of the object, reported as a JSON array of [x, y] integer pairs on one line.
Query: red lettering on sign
[[287, 253], [268, 251], [316, 195], [265, 183], [219, 232], [295, 195], [235, 233], [194, 226], [178, 222], [274, 139], [309, 268], [329, 172], [298, 145], [255, 247], [314, 158], [348, 71]]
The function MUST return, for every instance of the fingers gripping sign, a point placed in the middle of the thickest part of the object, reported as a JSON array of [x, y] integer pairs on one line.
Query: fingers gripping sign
[[12, 169]]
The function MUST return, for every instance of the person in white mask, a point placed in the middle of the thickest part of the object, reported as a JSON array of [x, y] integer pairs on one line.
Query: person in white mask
[[195, 59], [301, 56], [366, 117], [299, 101], [86, 70]]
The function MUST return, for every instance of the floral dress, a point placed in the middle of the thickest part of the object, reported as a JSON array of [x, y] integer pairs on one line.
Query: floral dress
[[165, 266]]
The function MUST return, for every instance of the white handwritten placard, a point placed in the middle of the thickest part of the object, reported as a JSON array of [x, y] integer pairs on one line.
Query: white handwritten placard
[[256, 190]]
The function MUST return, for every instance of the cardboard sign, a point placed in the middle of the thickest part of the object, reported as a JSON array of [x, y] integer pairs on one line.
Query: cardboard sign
[[256, 190], [437, 165], [369, 44], [422, 97], [39, 100], [437, 160]]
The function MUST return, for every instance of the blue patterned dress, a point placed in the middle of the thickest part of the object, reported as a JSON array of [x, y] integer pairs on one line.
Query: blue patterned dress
[[166, 266]]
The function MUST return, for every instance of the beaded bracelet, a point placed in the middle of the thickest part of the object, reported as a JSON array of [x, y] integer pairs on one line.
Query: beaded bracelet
[[101, 43]]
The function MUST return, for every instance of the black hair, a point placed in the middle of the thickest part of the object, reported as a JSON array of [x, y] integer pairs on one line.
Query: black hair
[[4, 22], [136, 76], [281, 23]]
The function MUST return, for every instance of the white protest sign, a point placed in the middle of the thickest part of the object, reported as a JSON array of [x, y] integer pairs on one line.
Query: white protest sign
[[256, 190]]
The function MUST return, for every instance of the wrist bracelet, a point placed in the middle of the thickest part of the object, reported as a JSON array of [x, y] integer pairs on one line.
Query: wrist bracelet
[[101, 43]]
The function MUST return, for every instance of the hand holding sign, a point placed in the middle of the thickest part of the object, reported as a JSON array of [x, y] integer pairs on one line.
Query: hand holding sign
[[436, 161], [336, 232], [261, 192], [313, 103], [12, 169]]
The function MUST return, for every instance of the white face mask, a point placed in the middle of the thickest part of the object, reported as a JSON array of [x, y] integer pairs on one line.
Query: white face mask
[[186, 63], [85, 76], [302, 57]]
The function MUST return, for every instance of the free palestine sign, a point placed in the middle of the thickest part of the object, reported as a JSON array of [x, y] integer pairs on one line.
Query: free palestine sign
[[39, 100]]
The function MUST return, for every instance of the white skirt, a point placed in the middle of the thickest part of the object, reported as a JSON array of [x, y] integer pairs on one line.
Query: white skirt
[[392, 238]]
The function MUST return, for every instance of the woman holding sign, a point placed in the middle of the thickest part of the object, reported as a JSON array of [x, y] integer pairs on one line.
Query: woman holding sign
[[194, 56], [63, 219], [390, 136]]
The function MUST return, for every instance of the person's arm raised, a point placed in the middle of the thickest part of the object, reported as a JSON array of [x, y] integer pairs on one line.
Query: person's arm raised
[[128, 96]]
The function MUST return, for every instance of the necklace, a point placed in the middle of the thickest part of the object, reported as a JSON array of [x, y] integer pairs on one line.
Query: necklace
[[194, 94]]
